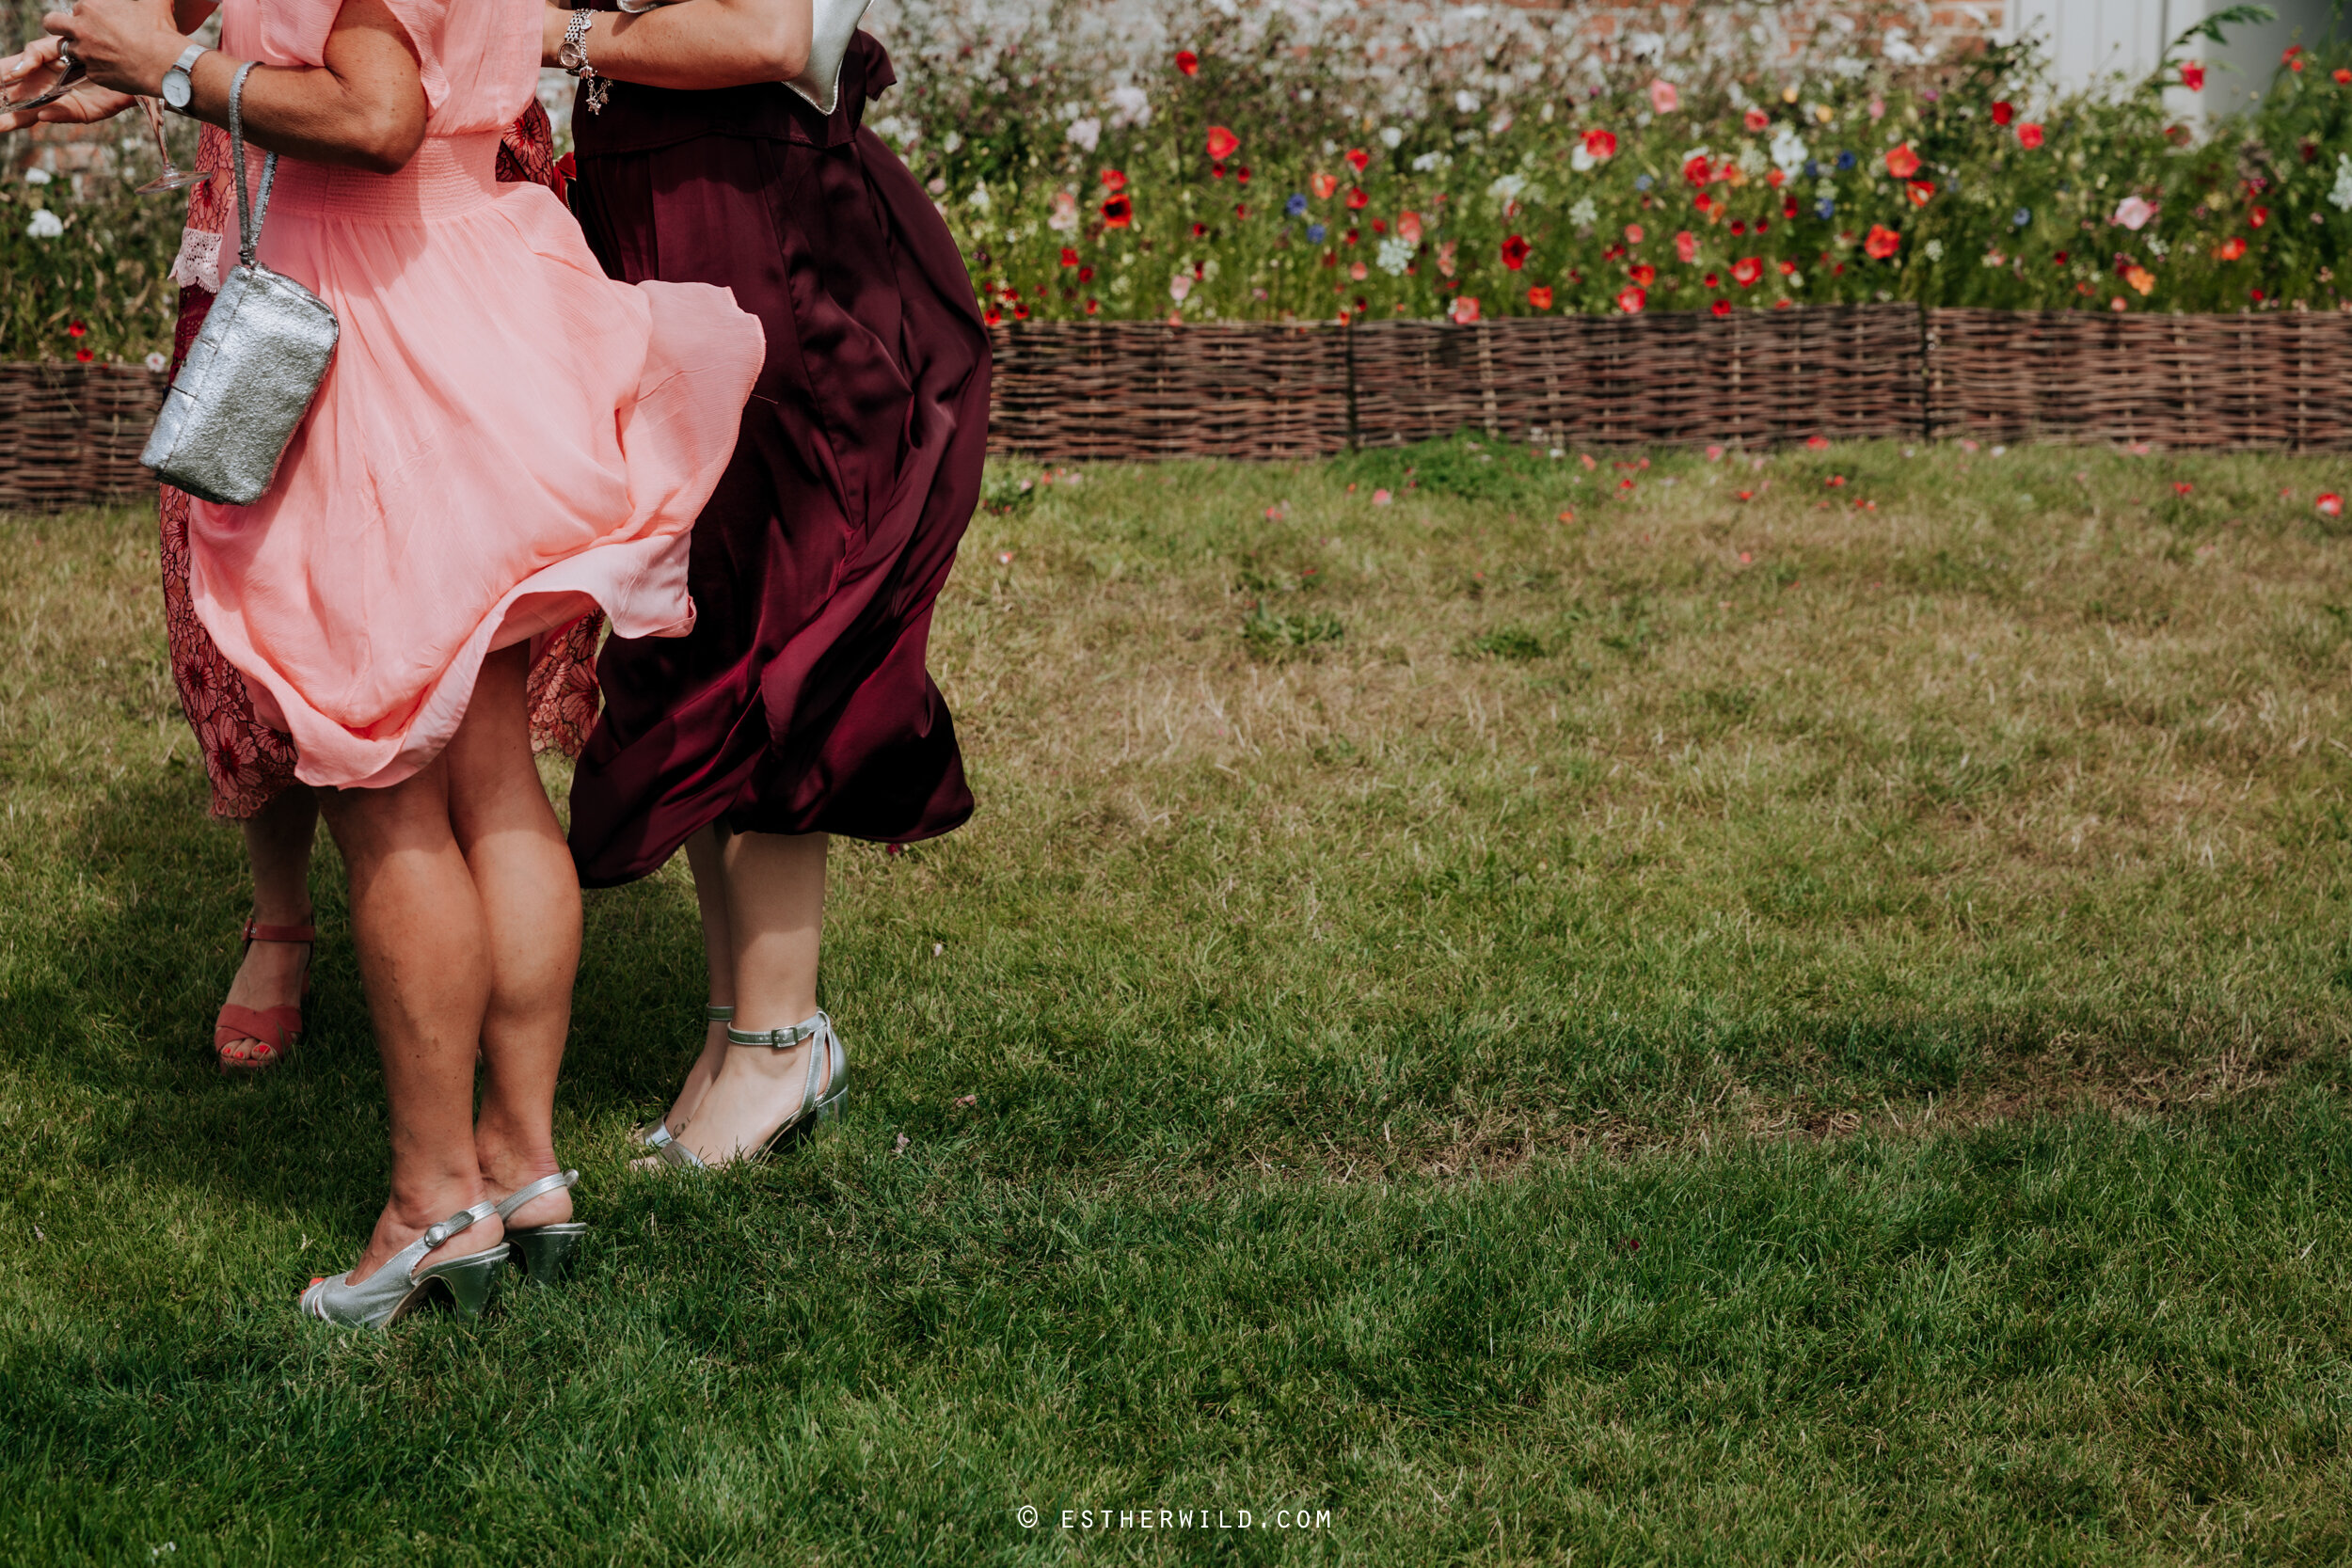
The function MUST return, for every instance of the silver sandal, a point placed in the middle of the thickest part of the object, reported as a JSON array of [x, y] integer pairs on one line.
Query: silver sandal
[[826, 1054], [655, 1134], [401, 1286], [543, 1252]]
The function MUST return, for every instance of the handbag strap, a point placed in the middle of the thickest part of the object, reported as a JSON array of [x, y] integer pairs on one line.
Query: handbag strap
[[248, 223]]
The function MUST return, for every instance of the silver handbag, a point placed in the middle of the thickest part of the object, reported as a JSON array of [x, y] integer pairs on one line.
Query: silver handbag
[[832, 24], [253, 369]]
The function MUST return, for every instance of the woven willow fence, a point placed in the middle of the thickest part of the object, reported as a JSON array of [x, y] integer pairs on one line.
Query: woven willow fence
[[1120, 392]]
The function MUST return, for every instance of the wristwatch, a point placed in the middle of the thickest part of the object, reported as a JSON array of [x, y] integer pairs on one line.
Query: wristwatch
[[178, 88]]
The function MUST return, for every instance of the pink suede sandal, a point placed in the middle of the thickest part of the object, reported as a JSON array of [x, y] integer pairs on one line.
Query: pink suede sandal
[[271, 1031]]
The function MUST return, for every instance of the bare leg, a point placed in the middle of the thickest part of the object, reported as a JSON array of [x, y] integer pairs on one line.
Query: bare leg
[[423, 941], [529, 897], [775, 909], [707, 854], [278, 843]]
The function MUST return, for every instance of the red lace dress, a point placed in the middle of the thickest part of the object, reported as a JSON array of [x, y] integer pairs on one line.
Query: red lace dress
[[247, 762]]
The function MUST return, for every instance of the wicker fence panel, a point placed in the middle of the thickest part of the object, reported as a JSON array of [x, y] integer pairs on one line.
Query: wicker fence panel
[[1072, 391], [2270, 382], [72, 434], [1671, 378]]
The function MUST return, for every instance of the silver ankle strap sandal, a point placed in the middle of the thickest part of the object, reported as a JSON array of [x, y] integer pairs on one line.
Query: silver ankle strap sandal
[[659, 1134], [828, 1075], [543, 1252], [401, 1286]]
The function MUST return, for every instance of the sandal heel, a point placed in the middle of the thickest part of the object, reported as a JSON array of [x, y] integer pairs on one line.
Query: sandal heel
[[545, 1253], [471, 1281]]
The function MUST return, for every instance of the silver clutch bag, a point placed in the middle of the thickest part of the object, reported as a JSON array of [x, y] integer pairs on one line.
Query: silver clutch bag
[[832, 24], [253, 369]]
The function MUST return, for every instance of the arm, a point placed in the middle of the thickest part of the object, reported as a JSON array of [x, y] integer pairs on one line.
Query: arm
[[699, 44], [363, 108]]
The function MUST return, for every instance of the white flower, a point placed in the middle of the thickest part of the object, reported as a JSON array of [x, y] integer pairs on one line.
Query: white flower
[[157, 362], [1391, 137], [1395, 254], [1179, 286], [36, 176], [1064, 219], [2133, 213], [1506, 187], [2340, 198], [1130, 105], [978, 199], [1579, 160], [1465, 101], [1934, 249], [1584, 215], [1752, 160], [955, 140], [1429, 162], [46, 225], [1085, 132], [1788, 151]]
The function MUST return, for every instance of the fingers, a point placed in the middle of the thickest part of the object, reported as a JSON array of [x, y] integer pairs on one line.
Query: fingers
[[38, 54]]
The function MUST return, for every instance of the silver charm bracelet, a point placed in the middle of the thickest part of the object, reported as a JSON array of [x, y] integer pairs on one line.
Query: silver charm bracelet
[[572, 55]]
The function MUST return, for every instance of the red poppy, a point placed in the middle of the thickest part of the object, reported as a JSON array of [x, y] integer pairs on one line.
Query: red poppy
[[1357, 159], [1836, 482], [1114, 181], [1747, 272], [1119, 212], [1644, 274], [1703, 202], [1069, 256], [1020, 312], [2029, 136], [2192, 76], [1884, 242], [1902, 162], [1464, 310], [1739, 227], [1787, 268], [992, 315], [1540, 296], [1188, 62], [1514, 252], [1632, 300], [1357, 200], [2182, 488], [1920, 190], [1086, 274], [2331, 505], [2232, 248], [2259, 217], [1687, 245], [1242, 174], [1755, 119], [1635, 233], [1093, 306], [1712, 281], [1788, 209], [83, 355], [2004, 111], [1223, 143], [1722, 307], [76, 330], [1600, 143], [1696, 169], [1323, 186], [2344, 76], [1241, 211]]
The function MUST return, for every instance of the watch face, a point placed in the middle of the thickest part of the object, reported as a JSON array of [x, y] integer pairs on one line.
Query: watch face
[[177, 88]]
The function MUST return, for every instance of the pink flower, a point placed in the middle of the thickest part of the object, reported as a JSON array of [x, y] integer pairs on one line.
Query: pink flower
[[2133, 212], [1632, 300], [1464, 310], [1380, 498], [2192, 76], [2029, 136], [1664, 99], [2331, 505], [1687, 245]]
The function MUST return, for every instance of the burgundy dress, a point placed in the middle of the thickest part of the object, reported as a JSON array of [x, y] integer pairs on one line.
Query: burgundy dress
[[799, 702]]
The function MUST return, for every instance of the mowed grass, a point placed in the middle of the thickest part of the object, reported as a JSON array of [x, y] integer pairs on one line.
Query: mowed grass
[[1807, 1028]]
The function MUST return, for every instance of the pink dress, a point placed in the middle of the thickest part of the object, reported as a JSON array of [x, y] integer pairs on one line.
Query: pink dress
[[424, 515]]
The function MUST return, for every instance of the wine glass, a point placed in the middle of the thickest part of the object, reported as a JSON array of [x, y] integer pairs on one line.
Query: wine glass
[[171, 179]]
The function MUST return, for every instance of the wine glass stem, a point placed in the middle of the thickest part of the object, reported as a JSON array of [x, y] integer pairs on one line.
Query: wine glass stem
[[154, 111]]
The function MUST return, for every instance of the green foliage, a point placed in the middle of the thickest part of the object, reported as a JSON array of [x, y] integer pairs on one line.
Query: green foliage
[[101, 260], [1865, 1081]]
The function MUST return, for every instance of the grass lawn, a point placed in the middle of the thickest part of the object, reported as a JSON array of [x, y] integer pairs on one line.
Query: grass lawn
[[1550, 1021]]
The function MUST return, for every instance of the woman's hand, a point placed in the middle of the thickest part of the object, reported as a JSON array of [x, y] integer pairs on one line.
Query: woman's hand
[[127, 44], [34, 71]]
